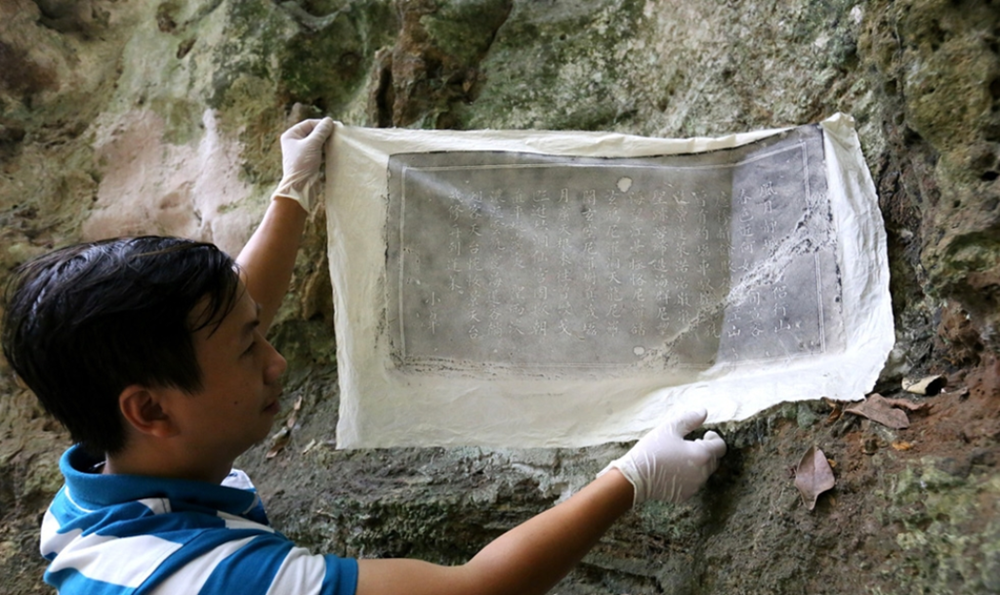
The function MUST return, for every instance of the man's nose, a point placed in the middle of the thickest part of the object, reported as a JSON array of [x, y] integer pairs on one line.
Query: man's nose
[[276, 364]]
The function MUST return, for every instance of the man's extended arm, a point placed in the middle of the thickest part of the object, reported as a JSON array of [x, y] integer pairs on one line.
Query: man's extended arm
[[268, 258], [529, 559], [534, 556]]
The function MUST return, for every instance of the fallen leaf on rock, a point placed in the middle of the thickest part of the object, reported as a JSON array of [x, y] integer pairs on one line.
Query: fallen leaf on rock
[[878, 409], [278, 442], [962, 392], [909, 405], [310, 446], [813, 476], [836, 410], [902, 445], [928, 385], [292, 418]]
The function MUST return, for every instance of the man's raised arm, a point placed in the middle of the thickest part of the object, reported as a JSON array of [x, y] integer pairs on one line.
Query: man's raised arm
[[268, 258]]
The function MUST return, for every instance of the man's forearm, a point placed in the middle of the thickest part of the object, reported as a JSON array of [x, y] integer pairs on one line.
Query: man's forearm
[[534, 556], [529, 559], [268, 258]]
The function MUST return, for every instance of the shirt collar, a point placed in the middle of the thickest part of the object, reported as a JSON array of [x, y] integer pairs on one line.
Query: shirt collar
[[94, 490]]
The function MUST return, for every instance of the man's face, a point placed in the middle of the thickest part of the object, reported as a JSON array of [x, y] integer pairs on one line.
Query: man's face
[[240, 385]]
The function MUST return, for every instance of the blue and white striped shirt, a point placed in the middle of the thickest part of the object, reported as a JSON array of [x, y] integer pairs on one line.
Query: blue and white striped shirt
[[126, 534]]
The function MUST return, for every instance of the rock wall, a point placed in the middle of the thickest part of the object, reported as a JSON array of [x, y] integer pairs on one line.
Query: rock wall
[[134, 117]]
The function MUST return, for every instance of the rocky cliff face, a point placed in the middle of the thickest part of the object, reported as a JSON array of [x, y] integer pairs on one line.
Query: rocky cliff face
[[132, 117]]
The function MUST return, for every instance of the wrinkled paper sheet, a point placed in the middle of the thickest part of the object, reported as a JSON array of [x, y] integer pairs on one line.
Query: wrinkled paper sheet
[[540, 289]]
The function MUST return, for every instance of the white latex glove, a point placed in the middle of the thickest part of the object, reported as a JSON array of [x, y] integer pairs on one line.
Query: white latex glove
[[665, 466], [301, 157]]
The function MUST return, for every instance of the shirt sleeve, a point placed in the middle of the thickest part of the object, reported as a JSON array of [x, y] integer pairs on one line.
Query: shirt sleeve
[[261, 564], [312, 574]]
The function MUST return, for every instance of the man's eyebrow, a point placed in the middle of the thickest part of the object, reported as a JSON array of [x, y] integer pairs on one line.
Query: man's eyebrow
[[252, 324]]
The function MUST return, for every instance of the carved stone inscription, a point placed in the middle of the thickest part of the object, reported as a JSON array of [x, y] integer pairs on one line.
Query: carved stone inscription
[[544, 262]]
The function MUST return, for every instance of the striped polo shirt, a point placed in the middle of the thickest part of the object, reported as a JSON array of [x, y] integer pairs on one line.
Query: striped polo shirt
[[127, 534]]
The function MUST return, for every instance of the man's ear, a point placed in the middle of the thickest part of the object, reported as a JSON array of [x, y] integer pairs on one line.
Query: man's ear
[[144, 409]]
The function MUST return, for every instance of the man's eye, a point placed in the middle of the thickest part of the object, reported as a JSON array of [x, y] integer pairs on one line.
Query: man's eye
[[250, 349]]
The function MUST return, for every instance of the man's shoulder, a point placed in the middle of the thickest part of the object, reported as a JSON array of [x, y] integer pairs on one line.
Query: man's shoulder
[[183, 537], [187, 552], [147, 523], [157, 541]]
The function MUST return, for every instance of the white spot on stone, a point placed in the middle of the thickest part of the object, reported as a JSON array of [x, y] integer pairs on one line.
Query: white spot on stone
[[857, 13], [639, 350], [624, 184]]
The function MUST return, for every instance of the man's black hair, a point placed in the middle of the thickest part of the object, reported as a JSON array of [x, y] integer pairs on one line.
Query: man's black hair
[[84, 322]]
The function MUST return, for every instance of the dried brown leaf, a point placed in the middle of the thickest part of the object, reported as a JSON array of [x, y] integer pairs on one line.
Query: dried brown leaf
[[869, 445], [836, 410], [878, 409], [312, 444], [293, 417], [813, 476], [908, 405], [278, 443]]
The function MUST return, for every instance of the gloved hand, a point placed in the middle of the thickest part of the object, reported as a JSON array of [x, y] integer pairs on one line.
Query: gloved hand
[[301, 157], [665, 466]]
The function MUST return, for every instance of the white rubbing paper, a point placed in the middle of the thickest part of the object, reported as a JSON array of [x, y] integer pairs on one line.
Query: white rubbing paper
[[536, 288]]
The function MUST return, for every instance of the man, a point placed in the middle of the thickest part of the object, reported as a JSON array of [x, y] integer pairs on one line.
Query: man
[[152, 352]]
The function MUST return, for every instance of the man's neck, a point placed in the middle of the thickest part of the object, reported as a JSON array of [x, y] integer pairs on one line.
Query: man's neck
[[164, 462]]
